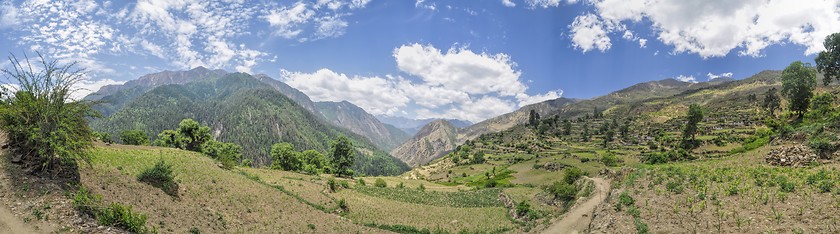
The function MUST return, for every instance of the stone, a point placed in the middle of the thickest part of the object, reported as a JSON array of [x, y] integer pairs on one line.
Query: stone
[[791, 156]]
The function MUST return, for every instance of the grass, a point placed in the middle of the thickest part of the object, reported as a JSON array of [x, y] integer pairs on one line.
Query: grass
[[466, 199]]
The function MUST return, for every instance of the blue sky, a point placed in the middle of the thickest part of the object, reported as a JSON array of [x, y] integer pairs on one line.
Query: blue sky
[[426, 59]]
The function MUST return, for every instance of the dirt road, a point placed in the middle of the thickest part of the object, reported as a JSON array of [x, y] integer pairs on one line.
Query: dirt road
[[9, 223], [578, 219]]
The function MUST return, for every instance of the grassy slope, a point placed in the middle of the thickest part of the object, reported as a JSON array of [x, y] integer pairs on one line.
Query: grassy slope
[[211, 199]]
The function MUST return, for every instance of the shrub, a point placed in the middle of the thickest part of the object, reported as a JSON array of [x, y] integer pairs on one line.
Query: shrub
[[611, 160], [43, 123], [344, 184], [674, 187], [362, 182], [332, 185], [624, 200], [563, 191], [380, 183], [119, 215], [160, 176], [229, 154], [821, 144], [86, 202], [572, 174], [523, 208], [421, 187], [342, 204], [134, 137]]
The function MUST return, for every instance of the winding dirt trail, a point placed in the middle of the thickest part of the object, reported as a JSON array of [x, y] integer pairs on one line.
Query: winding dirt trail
[[578, 219]]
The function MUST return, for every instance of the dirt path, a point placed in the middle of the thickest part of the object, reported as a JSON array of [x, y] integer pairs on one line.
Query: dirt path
[[578, 218], [9, 223]]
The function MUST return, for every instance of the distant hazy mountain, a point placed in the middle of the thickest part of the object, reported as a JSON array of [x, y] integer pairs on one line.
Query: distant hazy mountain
[[412, 126], [242, 109], [432, 141]]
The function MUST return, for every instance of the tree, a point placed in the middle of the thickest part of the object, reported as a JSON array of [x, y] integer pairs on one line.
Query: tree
[[533, 118], [314, 162], [625, 129], [567, 127], [478, 157], [821, 105], [798, 83], [45, 127], [167, 138], [695, 115], [284, 157], [596, 113], [584, 134], [134, 137], [771, 101], [191, 135], [828, 61], [343, 156], [229, 154], [608, 137]]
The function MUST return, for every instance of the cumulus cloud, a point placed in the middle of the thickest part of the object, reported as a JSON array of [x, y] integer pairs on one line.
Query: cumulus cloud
[[375, 94], [508, 3], [712, 28], [721, 75], [590, 33], [457, 83], [286, 19], [683, 78]]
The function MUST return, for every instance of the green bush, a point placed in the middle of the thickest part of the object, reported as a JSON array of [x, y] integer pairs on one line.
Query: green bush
[[342, 204], [822, 144], [361, 182], [611, 160], [332, 185], [572, 174], [229, 154], [523, 208], [134, 137], [86, 202], [160, 176], [43, 123], [380, 183], [563, 191], [624, 200], [119, 215]]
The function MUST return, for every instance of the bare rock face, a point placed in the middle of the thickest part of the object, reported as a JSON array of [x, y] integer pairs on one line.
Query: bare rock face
[[791, 156], [433, 141]]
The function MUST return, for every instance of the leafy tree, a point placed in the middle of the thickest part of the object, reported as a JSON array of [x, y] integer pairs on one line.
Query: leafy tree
[[191, 135], [828, 61], [343, 155], [584, 134], [567, 127], [314, 162], [103, 137], [823, 103], [229, 154], [798, 83], [625, 129], [167, 138], [44, 125], [563, 191], [771, 101], [478, 157], [571, 175], [695, 115], [134, 137], [284, 157], [596, 113], [608, 137]]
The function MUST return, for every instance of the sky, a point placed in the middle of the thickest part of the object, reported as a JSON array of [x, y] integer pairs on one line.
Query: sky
[[469, 60]]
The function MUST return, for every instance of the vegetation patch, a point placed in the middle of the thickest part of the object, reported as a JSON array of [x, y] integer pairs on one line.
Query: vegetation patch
[[465, 199], [160, 176], [115, 214]]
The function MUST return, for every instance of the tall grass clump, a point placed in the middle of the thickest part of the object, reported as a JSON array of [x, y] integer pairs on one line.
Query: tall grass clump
[[160, 176]]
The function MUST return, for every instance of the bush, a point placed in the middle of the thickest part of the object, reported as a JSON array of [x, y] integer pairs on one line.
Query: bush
[[822, 144], [160, 176], [362, 182], [380, 183], [332, 185], [563, 191], [134, 137], [523, 208], [43, 123], [624, 200], [421, 187], [342, 204], [611, 160], [119, 215], [86, 202], [344, 184], [572, 174], [229, 154]]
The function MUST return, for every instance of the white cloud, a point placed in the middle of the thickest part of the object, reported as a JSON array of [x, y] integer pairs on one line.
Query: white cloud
[[457, 83], [683, 78], [543, 3], [8, 15], [87, 86], [461, 69], [714, 28], [642, 43], [358, 3], [525, 100], [374, 94], [590, 33], [286, 19], [330, 27], [721, 75], [508, 3]]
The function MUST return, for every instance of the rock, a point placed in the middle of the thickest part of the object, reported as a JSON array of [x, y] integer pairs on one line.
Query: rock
[[17, 158], [791, 156], [553, 166]]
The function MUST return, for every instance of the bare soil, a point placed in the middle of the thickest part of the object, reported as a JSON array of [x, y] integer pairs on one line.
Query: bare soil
[[578, 218]]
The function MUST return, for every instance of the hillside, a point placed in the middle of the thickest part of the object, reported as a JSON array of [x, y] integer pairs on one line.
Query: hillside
[[242, 110], [431, 142], [412, 126], [354, 118]]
